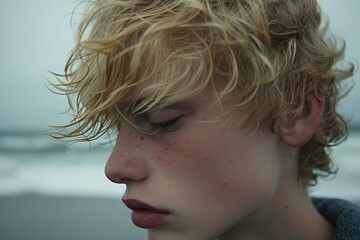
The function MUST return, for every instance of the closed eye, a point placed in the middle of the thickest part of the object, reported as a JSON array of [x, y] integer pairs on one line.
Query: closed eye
[[165, 125]]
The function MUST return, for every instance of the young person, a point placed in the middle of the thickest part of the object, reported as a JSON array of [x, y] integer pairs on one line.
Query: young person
[[224, 112]]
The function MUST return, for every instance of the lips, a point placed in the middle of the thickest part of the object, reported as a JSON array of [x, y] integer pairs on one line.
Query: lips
[[144, 215]]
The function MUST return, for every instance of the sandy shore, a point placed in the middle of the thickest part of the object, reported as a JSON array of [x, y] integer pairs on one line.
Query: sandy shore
[[39, 217]]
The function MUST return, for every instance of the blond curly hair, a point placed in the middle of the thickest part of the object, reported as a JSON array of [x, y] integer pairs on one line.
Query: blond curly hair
[[270, 54]]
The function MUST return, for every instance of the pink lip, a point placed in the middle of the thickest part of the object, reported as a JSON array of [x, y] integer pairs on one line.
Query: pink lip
[[144, 215]]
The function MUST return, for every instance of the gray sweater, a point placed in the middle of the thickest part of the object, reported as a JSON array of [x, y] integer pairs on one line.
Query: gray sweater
[[344, 215]]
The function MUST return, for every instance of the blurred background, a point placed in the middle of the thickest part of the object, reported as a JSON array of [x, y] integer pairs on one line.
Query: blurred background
[[49, 193]]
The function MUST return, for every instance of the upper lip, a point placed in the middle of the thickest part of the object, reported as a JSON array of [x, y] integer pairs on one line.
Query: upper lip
[[134, 204]]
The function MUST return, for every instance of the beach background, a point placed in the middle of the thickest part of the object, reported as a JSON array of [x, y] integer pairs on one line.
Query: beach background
[[49, 191]]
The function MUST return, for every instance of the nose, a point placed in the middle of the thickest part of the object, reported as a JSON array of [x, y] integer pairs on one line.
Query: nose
[[126, 162]]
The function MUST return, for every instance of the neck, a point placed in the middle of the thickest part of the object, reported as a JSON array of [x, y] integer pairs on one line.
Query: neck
[[289, 214]]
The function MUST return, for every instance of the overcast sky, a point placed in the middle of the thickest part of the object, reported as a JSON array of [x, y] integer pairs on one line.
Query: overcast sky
[[36, 37]]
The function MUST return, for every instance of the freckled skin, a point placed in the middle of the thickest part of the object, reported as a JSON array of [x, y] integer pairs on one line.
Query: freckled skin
[[211, 179]]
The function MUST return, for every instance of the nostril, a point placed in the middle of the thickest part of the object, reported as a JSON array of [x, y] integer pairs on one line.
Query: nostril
[[124, 180]]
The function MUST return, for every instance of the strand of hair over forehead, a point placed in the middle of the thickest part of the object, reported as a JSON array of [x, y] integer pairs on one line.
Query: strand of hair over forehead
[[230, 36], [153, 11]]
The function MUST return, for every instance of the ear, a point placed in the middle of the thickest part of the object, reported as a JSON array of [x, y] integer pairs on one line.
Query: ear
[[295, 132]]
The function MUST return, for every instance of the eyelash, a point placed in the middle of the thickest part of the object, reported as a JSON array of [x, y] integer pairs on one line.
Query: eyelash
[[164, 125], [142, 120]]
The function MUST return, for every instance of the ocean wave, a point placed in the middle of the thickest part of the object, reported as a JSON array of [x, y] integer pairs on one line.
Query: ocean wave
[[37, 142]]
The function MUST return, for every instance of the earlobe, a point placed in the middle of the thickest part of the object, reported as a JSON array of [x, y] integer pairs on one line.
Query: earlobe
[[297, 131]]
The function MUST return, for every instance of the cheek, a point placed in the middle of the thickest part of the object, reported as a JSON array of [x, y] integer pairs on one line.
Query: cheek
[[256, 170], [234, 171], [186, 163], [215, 166]]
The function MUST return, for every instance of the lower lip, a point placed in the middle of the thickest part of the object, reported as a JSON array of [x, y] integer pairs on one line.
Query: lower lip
[[148, 219]]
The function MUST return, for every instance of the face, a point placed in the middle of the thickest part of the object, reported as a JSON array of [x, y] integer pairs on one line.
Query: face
[[202, 179]]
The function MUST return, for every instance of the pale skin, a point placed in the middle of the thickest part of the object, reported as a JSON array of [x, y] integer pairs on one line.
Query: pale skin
[[220, 182]]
